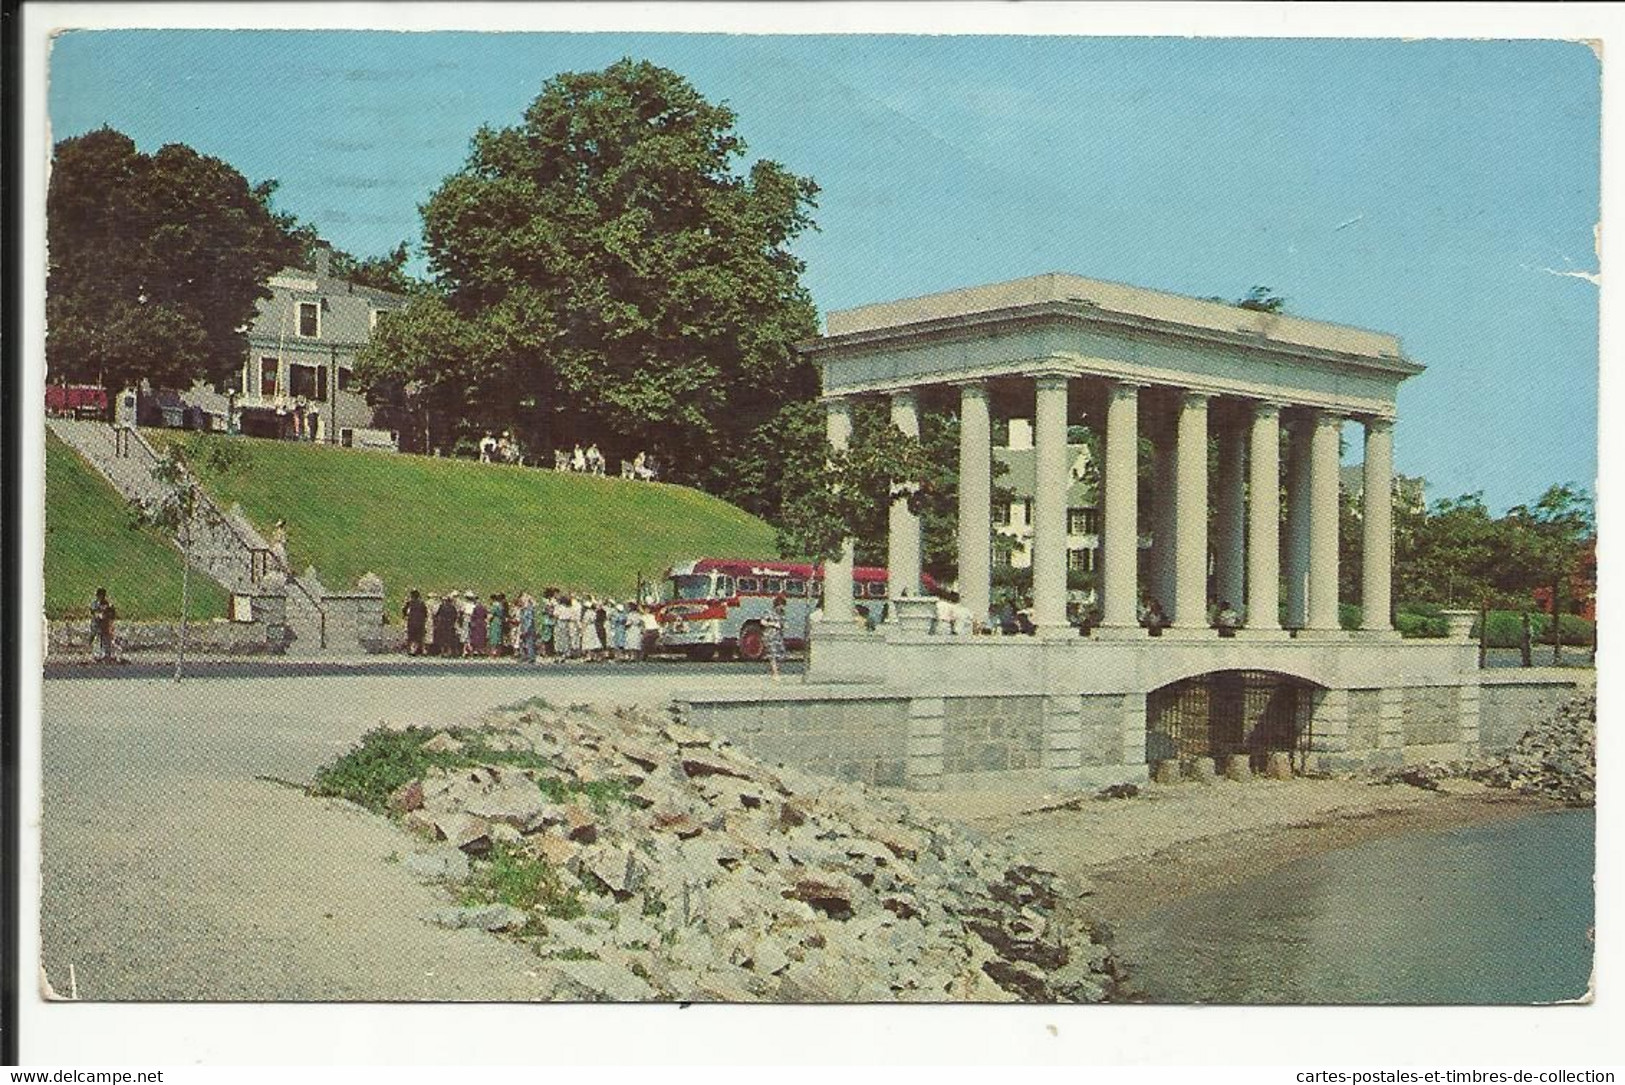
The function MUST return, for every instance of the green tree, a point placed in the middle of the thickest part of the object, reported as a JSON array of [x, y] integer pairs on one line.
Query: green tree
[[384, 272], [1450, 556], [631, 283], [157, 263], [1543, 544]]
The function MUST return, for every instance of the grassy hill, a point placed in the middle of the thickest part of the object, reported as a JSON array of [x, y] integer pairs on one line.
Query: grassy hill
[[90, 543], [440, 524]]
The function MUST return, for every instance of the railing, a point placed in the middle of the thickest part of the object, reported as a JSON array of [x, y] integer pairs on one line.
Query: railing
[[260, 559]]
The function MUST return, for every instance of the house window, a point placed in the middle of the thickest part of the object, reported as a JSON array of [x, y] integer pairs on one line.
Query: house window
[[1082, 521], [1081, 560], [347, 437], [304, 380], [346, 377], [268, 368], [1001, 514], [1027, 510], [310, 320], [1004, 558]]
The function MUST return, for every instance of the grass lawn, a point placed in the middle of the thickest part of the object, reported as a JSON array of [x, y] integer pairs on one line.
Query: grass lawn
[[443, 524], [90, 543]]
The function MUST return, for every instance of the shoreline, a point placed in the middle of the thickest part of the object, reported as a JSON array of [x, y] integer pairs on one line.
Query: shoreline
[[1126, 889], [1130, 856]]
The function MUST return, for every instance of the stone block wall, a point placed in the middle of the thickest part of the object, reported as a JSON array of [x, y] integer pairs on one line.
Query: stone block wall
[[992, 734], [1431, 715], [863, 740]]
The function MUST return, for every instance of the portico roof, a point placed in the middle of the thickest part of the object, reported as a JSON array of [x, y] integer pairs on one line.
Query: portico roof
[[1080, 326]]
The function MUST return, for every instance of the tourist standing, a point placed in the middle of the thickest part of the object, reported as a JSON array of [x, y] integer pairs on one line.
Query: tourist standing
[[416, 614], [545, 620], [479, 629], [497, 623], [773, 634], [444, 639], [102, 615], [527, 628]]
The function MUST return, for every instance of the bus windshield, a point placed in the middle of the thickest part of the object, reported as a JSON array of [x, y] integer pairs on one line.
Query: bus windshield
[[688, 587]]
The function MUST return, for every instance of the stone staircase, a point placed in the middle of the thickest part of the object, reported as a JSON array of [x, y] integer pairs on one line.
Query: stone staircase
[[225, 546]]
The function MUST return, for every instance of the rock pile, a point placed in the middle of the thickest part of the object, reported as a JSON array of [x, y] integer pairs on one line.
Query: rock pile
[[673, 867], [1556, 758]]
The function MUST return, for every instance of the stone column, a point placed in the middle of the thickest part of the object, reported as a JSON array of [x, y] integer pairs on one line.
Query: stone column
[[975, 500], [1323, 510], [1120, 547], [1164, 495], [1190, 515], [1264, 519], [838, 574], [1377, 574], [1297, 522], [1049, 503], [903, 535], [1229, 521]]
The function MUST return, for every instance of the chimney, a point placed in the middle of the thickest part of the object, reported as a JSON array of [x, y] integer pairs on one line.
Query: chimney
[[324, 259]]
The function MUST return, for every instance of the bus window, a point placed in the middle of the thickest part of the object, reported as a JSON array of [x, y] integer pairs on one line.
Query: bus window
[[773, 585], [748, 585], [795, 588], [857, 589], [690, 587], [877, 589]]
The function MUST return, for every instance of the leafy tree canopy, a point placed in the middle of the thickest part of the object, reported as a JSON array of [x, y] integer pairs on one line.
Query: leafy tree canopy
[[157, 262], [630, 286]]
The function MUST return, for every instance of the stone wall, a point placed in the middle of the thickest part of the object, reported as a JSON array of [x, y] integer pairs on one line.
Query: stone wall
[[72, 640], [1510, 701], [992, 734], [858, 739]]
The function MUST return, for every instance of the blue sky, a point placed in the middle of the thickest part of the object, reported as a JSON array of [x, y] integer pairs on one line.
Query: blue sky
[[1445, 191]]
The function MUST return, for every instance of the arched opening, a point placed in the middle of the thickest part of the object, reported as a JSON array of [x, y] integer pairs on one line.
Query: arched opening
[[1224, 713]]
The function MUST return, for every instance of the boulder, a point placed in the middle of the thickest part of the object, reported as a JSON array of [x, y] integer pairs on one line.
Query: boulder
[[517, 803], [604, 982], [406, 798], [439, 863], [471, 834], [442, 742]]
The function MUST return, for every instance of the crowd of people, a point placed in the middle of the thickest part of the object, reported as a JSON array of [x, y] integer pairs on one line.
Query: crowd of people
[[591, 461], [558, 626], [580, 461]]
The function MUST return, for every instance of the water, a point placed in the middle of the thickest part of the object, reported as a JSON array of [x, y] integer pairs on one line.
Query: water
[[1496, 913]]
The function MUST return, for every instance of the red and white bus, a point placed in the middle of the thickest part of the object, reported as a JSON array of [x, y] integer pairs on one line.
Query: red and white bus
[[713, 607]]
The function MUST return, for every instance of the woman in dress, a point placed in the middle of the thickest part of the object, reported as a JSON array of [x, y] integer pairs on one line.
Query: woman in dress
[[591, 642], [479, 639], [445, 627], [773, 634]]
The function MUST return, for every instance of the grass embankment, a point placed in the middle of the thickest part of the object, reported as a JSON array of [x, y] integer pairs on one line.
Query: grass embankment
[[444, 524], [90, 542]]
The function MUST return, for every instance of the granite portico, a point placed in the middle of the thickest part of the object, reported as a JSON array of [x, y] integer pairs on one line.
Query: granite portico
[[1061, 709]]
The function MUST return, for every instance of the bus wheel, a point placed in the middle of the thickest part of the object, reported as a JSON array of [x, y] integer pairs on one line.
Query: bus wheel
[[750, 642], [703, 653]]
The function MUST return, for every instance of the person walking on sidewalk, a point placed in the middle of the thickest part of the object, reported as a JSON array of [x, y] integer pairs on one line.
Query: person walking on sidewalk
[[102, 616]]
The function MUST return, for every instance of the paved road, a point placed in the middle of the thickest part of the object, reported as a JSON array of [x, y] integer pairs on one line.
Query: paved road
[[156, 666], [172, 871]]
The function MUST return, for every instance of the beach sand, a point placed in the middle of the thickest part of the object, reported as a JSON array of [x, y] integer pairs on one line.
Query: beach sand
[[1130, 855]]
